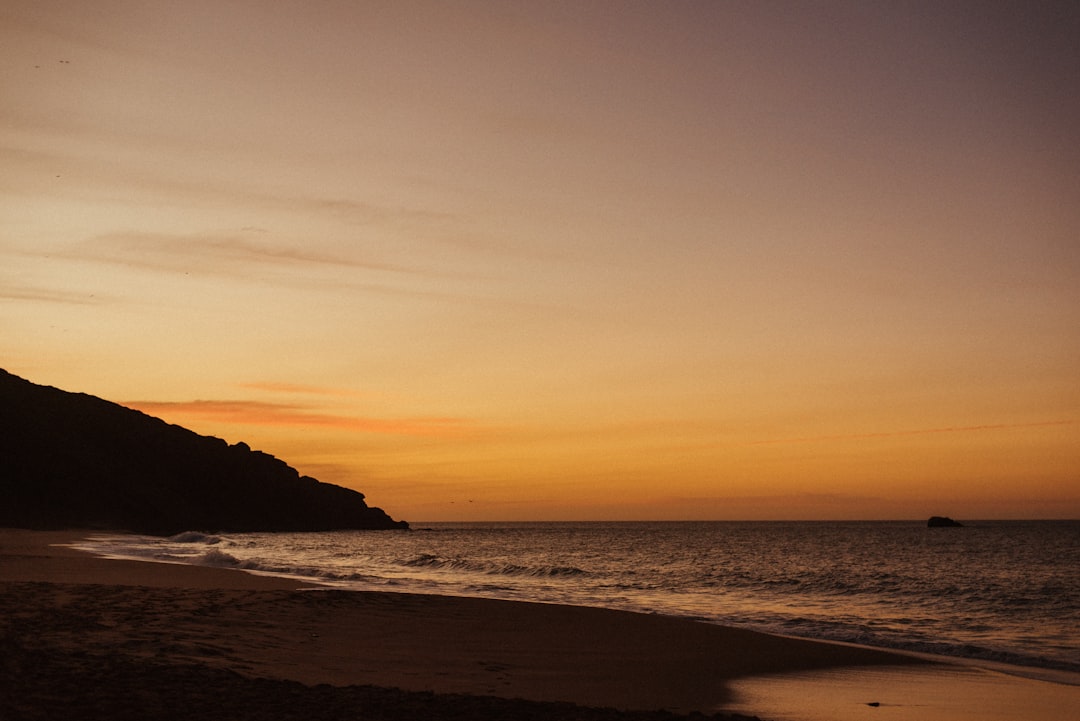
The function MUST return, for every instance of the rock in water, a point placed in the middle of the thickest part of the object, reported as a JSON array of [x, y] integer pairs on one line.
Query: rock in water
[[943, 522]]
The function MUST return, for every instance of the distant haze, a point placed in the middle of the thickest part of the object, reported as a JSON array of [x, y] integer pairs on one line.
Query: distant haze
[[564, 260]]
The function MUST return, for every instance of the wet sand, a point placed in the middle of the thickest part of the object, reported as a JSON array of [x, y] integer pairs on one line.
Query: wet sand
[[128, 639], [936, 692]]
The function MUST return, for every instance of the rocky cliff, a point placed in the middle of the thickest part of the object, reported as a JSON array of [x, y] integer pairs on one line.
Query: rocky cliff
[[73, 460]]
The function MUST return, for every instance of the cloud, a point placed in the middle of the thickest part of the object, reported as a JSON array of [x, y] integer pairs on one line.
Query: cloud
[[280, 414], [92, 175], [249, 256], [765, 500], [919, 432], [50, 296], [297, 388], [211, 254]]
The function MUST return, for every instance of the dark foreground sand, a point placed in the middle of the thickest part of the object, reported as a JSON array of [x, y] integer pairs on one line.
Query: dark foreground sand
[[89, 638]]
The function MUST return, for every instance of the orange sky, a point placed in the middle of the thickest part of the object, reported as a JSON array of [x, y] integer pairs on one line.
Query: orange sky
[[562, 260]]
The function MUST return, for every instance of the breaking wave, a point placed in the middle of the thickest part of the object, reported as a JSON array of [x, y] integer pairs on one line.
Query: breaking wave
[[195, 537], [215, 557], [491, 568], [221, 559]]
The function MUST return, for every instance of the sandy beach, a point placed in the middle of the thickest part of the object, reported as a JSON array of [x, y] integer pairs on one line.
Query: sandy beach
[[86, 637]]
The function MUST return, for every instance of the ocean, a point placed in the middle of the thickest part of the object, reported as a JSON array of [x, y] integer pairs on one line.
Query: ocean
[[1001, 591]]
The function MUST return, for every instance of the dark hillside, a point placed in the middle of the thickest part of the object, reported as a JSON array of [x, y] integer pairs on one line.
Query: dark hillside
[[73, 460]]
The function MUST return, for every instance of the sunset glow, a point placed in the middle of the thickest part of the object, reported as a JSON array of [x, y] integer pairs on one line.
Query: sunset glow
[[543, 261]]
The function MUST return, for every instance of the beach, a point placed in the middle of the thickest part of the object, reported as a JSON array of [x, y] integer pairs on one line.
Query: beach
[[88, 637]]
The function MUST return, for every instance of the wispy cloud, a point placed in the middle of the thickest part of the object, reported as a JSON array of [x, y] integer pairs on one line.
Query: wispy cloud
[[49, 295], [918, 432], [35, 154], [299, 389], [220, 254], [279, 414], [251, 256]]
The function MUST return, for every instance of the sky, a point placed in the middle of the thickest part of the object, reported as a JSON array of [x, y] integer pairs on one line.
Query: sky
[[565, 260]]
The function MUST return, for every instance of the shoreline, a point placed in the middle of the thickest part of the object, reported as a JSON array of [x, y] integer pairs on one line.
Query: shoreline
[[253, 629], [1043, 673]]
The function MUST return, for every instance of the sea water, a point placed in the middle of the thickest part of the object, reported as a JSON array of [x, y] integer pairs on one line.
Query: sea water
[[1004, 591]]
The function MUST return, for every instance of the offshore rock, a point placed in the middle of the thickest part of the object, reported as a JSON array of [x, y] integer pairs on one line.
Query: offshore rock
[[70, 460], [943, 522]]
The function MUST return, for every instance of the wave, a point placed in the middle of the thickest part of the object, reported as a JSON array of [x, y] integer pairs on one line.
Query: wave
[[221, 559], [427, 560], [195, 537]]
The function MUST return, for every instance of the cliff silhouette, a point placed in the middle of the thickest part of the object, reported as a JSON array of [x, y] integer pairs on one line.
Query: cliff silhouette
[[71, 460]]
